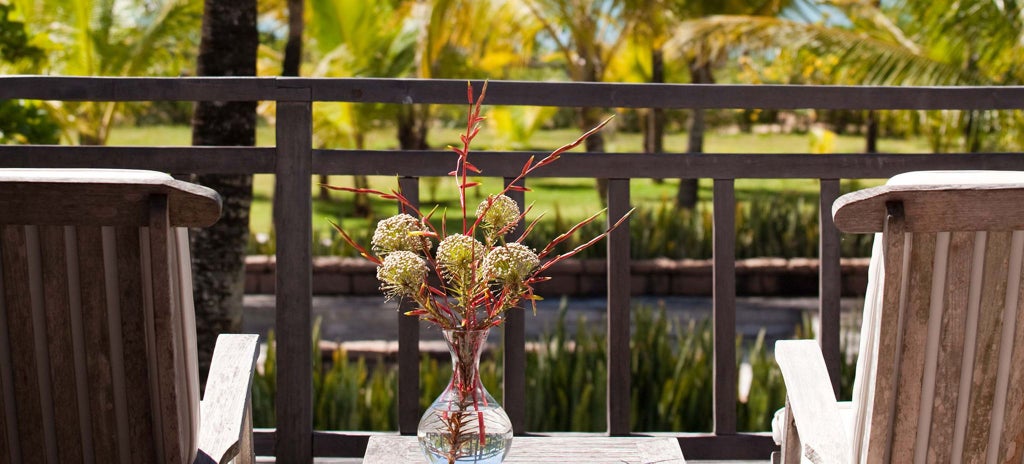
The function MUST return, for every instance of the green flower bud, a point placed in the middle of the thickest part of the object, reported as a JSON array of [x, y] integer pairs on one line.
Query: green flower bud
[[510, 264], [402, 273], [504, 212], [399, 232], [458, 253]]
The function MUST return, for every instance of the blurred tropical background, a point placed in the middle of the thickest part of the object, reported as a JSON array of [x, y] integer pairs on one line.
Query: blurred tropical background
[[798, 42]]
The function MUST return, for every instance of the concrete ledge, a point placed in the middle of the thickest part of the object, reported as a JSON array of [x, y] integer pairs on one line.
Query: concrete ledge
[[754, 277]]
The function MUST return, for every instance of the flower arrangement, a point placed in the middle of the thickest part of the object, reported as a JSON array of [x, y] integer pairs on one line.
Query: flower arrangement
[[465, 286], [477, 274]]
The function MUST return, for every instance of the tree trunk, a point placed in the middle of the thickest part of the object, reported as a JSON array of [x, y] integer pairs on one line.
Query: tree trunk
[[228, 48], [686, 196], [871, 138], [412, 127], [589, 118], [654, 131]]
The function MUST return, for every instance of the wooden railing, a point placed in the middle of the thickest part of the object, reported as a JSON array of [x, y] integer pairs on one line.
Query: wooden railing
[[294, 161]]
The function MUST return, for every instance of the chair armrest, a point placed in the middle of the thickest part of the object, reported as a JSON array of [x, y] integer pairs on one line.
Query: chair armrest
[[811, 402], [225, 407]]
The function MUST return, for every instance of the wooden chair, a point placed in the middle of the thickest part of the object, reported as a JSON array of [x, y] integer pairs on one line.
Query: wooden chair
[[97, 328], [939, 377]]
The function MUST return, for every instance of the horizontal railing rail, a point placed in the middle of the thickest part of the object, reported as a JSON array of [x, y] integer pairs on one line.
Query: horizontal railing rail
[[293, 160]]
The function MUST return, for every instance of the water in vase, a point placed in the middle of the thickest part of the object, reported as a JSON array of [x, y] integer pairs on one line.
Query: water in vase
[[453, 437]]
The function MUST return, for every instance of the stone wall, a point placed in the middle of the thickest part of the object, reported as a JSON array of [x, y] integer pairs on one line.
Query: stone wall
[[754, 277]]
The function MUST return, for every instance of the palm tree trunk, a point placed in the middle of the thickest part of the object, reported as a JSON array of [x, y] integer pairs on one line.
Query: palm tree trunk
[[654, 132], [871, 144], [686, 196], [228, 48]]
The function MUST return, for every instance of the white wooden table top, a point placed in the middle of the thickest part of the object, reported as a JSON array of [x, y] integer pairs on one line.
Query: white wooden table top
[[390, 449]]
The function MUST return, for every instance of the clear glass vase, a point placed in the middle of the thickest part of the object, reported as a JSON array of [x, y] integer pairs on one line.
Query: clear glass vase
[[465, 424]]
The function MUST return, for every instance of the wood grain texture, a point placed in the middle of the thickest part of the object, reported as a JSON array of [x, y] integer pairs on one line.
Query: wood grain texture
[[724, 306], [659, 165], [58, 338], [983, 382], [166, 329], [885, 378], [622, 95], [912, 349], [812, 402], [1011, 442], [951, 346], [829, 281], [618, 310], [227, 398], [101, 198], [25, 370], [133, 338], [178, 160], [97, 336], [389, 449], [294, 284], [790, 452], [452, 91], [1012, 439], [933, 208], [409, 342], [7, 445]]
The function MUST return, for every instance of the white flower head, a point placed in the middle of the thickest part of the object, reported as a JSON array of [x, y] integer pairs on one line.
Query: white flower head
[[511, 263], [402, 273], [458, 253], [504, 212], [401, 232]]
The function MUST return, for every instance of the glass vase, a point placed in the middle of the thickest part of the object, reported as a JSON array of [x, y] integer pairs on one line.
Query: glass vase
[[465, 424]]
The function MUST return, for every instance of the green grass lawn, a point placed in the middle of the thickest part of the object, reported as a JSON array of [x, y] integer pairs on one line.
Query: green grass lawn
[[570, 198]]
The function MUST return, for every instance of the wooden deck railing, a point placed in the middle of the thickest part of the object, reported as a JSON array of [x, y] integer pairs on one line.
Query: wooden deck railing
[[294, 161]]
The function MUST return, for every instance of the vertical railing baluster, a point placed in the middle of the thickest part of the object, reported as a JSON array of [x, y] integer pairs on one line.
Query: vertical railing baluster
[[724, 306], [829, 281], [514, 392], [618, 310], [293, 225], [408, 340]]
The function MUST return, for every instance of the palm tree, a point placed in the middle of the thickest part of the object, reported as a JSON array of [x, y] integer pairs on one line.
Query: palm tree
[[700, 61], [109, 38], [228, 48], [587, 34], [903, 43]]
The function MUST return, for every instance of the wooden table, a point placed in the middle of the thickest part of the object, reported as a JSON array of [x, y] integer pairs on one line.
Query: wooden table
[[390, 449]]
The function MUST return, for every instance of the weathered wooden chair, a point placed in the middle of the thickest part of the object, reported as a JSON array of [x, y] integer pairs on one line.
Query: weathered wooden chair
[[939, 377], [97, 328]]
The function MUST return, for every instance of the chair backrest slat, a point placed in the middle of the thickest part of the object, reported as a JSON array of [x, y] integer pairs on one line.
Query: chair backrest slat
[[96, 331], [133, 340], [990, 315], [949, 358], [63, 371], [1011, 441], [915, 310], [882, 400], [21, 345]]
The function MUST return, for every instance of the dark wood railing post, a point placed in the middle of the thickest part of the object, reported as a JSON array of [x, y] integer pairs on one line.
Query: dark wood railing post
[[829, 281], [724, 306], [514, 391], [408, 340], [293, 225], [618, 310]]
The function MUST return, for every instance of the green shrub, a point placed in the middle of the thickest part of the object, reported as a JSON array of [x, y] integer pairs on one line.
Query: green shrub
[[671, 380]]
